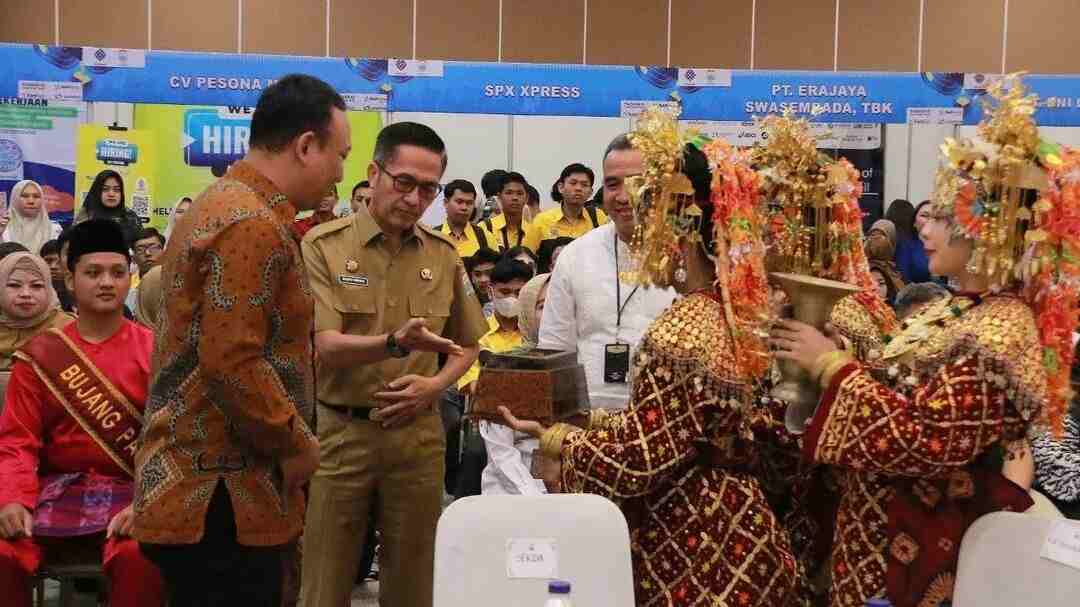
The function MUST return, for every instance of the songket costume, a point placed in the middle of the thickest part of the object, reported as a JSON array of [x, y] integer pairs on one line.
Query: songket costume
[[68, 432], [912, 429], [814, 228], [676, 460]]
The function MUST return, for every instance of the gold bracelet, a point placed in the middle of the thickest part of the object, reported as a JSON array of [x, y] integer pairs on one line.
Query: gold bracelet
[[597, 418], [551, 441], [827, 365]]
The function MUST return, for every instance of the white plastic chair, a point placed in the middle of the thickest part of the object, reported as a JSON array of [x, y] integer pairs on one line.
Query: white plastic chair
[[589, 532], [1000, 565]]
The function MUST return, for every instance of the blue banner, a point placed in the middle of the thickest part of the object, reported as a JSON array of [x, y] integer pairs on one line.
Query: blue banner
[[529, 89]]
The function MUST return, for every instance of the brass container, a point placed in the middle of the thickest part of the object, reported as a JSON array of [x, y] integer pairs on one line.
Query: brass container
[[812, 300]]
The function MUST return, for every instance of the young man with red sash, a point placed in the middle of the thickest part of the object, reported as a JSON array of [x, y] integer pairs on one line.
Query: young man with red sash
[[68, 433]]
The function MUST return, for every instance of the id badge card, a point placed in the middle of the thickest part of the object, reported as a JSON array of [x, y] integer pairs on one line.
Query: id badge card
[[616, 363]]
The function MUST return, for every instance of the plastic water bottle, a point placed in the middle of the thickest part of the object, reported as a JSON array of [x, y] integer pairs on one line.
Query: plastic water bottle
[[558, 594]]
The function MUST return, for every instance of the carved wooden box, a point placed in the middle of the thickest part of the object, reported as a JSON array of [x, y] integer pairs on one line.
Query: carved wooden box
[[541, 385]]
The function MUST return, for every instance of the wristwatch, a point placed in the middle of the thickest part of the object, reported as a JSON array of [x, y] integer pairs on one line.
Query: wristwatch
[[394, 348]]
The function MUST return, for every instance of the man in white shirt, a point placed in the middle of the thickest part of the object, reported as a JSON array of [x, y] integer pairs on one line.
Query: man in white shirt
[[589, 310]]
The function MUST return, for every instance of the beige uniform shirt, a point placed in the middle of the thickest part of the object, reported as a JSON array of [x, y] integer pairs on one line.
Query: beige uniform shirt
[[361, 287]]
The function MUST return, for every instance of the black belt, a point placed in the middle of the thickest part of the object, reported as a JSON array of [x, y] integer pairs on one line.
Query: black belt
[[361, 413]]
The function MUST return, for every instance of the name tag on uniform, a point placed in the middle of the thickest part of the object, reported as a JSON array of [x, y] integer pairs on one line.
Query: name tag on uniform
[[353, 281]]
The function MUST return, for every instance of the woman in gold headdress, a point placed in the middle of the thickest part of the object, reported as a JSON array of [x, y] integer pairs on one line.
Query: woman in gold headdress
[[913, 428], [677, 459], [814, 229]]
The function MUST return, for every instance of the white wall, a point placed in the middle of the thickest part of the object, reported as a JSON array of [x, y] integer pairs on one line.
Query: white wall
[[897, 146], [544, 145]]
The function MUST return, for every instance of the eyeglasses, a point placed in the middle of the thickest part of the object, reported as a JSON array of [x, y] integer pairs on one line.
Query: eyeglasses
[[146, 249], [405, 184]]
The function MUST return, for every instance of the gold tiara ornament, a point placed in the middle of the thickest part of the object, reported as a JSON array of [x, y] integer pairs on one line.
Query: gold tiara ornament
[[1017, 198], [815, 220], [662, 198], [669, 218], [986, 186]]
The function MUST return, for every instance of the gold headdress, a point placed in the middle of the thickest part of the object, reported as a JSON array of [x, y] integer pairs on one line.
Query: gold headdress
[[987, 185], [815, 223], [662, 197], [1024, 239], [815, 220], [669, 216]]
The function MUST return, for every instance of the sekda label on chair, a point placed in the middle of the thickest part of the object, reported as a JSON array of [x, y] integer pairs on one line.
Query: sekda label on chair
[[532, 558], [1063, 544]]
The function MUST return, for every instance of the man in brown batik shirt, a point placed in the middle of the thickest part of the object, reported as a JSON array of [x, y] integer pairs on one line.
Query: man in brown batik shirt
[[227, 443]]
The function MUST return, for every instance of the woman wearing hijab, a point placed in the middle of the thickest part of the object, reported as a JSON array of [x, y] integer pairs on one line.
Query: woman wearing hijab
[[148, 300], [27, 221], [532, 298], [881, 253], [106, 200], [28, 303], [181, 207]]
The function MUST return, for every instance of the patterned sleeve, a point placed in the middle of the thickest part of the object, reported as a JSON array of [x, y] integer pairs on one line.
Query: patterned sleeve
[[248, 261], [930, 424], [674, 397], [1057, 462], [636, 449]]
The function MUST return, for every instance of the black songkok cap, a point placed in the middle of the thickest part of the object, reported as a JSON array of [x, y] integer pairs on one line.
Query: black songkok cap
[[95, 236]]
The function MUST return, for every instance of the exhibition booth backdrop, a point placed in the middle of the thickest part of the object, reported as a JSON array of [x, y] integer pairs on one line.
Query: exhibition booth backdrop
[[172, 121]]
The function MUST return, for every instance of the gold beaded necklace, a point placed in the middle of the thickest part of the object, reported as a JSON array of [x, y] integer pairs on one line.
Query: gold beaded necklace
[[916, 330]]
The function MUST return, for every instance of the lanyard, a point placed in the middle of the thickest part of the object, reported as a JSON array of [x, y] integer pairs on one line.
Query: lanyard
[[620, 305], [506, 240]]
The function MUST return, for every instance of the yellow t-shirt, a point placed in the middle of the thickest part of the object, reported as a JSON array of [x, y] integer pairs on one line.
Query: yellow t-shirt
[[496, 341], [470, 244], [503, 238], [552, 224]]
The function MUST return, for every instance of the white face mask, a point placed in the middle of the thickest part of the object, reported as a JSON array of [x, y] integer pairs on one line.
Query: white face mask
[[507, 307]]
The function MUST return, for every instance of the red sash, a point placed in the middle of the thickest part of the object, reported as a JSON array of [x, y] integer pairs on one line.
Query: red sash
[[101, 410]]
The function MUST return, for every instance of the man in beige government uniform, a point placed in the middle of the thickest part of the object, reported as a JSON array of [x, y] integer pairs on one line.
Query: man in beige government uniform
[[380, 433]]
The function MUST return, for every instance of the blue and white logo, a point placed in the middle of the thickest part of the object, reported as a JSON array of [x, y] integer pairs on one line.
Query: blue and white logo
[[117, 152], [216, 138], [11, 157]]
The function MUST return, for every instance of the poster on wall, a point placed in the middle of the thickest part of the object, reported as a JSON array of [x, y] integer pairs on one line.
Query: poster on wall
[[35, 143], [859, 143], [131, 153], [198, 144]]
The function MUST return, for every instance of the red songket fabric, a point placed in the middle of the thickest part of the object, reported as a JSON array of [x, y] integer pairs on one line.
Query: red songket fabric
[[676, 462], [53, 467], [911, 435]]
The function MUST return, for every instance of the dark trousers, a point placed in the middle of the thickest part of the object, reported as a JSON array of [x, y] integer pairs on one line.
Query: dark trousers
[[473, 461], [218, 571], [452, 409]]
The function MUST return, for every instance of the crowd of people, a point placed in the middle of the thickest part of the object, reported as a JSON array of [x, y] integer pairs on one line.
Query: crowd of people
[[225, 412]]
